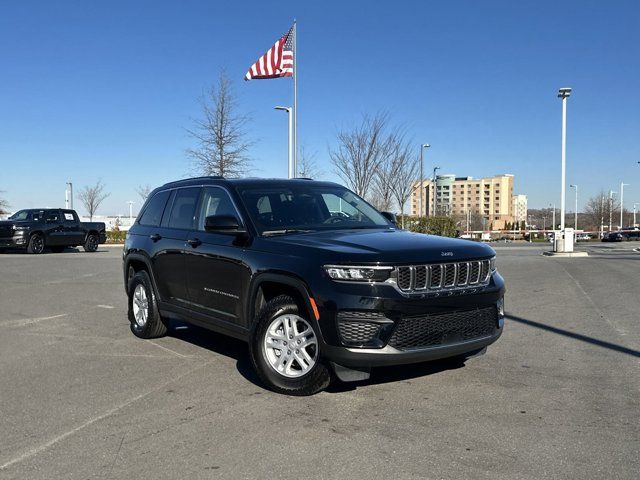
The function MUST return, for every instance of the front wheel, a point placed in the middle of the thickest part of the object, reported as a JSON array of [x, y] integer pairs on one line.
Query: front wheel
[[91, 243], [144, 315], [285, 350], [36, 244]]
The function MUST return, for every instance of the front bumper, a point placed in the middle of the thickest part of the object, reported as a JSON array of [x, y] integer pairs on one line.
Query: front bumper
[[16, 241], [393, 308]]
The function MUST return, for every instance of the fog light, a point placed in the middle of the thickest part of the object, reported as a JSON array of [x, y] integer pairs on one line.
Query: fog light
[[500, 307]]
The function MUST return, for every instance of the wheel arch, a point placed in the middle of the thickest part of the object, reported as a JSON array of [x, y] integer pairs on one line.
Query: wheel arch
[[134, 263], [267, 286]]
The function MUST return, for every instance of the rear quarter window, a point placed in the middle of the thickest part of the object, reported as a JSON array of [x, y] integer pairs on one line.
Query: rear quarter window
[[152, 214]]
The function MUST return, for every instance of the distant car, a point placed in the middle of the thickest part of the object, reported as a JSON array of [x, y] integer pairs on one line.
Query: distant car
[[633, 235], [38, 228], [583, 237], [613, 237]]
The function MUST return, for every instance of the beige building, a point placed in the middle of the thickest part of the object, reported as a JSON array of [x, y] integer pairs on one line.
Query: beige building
[[519, 208], [490, 197]]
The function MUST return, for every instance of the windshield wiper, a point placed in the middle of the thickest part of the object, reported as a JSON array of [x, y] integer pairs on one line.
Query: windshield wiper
[[270, 233]]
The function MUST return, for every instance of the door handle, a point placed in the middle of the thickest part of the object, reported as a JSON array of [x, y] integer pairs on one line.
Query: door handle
[[194, 242], [155, 237]]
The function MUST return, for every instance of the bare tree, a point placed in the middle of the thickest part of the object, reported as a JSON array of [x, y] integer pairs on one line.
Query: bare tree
[[360, 152], [405, 172], [396, 154], [307, 167], [92, 198], [220, 134], [144, 191], [4, 205], [599, 209]]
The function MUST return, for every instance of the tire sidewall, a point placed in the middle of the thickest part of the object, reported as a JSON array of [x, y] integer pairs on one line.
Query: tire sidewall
[[30, 246], [91, 246], [149, 330], [314, 380]]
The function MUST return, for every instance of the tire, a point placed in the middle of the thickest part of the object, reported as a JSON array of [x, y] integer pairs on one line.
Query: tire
[[144, 317], [289, 377], [57, 249], [91, 243], [36, 244]]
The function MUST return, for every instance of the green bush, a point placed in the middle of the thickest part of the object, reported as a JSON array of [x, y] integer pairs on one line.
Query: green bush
[[116, 236], [443, 226]]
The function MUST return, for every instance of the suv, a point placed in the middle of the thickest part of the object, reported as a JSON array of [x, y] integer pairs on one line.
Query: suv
[[310, 275]]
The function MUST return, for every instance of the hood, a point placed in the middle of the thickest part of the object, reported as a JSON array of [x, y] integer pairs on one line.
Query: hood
[[383, 246]]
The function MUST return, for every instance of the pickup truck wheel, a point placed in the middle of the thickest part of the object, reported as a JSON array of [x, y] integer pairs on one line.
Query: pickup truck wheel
[[285, 350], [36, 244], [143, 310], [91, 243]]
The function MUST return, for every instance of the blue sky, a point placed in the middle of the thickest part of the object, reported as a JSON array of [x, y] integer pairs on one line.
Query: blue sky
[[93, 90]]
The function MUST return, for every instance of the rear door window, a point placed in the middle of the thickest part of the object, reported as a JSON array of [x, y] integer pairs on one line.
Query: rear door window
[[184, 208], [152, 214], [52, 216]]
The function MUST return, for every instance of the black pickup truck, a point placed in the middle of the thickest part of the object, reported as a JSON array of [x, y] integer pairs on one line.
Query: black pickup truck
[[38, 228]]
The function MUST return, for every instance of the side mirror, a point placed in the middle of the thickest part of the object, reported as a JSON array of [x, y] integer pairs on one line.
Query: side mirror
[[390, 216], [222, 224]]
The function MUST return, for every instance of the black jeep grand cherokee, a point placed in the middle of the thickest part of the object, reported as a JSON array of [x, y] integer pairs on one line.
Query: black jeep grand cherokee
[[310, 275]]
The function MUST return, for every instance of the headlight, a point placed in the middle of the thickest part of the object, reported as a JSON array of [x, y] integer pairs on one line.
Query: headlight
[[492, 264], [358, 274]]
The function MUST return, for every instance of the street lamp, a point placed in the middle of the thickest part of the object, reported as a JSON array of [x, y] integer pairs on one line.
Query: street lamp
[[292, 166], [622, 185], [554, 216], [130, 202], [575, 222], [422, 147], [563, 93], [634, 214]]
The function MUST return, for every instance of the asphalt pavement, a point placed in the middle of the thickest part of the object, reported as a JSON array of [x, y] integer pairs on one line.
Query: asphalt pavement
[[558, 396]]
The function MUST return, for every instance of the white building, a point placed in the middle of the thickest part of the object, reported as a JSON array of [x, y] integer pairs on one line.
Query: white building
[[520, 208]]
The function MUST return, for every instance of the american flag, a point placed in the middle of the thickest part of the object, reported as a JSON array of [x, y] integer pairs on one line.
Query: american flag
[[277, 62]]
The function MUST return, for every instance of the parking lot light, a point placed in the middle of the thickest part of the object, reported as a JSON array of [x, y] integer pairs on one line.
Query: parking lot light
[[622, 185], [575, 222]]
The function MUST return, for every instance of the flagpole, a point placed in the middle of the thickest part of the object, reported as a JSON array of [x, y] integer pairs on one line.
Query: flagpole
[[295, 99]]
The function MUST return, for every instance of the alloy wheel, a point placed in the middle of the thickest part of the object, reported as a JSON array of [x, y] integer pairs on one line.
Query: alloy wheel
[[290, 346], [140, 305]]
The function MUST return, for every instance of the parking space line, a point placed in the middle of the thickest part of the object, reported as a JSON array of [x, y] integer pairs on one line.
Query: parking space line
[[39, 449], [23, 322], [169, 350]]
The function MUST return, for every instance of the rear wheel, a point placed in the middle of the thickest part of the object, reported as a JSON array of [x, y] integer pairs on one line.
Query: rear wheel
[[36, 244], [144, 316], [91, 243], [285, 350]]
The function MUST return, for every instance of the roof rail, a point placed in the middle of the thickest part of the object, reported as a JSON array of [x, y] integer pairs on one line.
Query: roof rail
[[187, 180]]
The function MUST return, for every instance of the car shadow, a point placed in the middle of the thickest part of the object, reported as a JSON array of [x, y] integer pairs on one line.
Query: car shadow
[[238, 350]]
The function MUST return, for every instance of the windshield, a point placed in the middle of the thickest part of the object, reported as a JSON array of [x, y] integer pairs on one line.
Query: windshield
[[289, 209], [20, 215]]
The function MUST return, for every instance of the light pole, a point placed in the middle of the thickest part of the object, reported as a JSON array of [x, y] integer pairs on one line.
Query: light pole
[[435, 192], [70, 185], [292, 163], [554, 216], [611, 192], [130, 210], [575, 221], [422, 147], [634, 214], [622, 185], [563, 93]]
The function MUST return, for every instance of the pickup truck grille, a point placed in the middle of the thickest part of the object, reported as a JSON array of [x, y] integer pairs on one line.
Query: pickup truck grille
[[444, 328], [442, 276]]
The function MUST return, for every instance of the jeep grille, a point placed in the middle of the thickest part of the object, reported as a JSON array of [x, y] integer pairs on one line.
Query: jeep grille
[[442, 276]]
